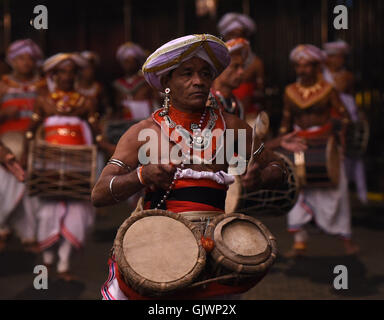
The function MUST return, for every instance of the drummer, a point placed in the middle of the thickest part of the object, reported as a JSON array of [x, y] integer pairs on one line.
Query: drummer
[[133, 96], [311, 105], [184, 70], [343, 81], [232, 77], [87, 85], [251, 91], [68, 118], [18, 91]]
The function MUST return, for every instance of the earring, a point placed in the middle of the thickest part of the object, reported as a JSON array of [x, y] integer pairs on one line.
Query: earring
[[166, 100]]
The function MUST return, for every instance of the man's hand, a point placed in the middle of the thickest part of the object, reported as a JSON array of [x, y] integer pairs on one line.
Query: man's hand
[[292, 143], [14, 167], [158, 176]]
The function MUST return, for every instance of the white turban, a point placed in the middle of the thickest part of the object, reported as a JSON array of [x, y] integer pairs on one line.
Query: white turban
[[52, 62], [336, 47], [232, 21], [172, 54], [90, 56], [130, 49], [307, 52], [24, 46]]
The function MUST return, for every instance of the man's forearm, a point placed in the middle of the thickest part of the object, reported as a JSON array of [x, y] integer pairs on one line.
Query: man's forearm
[[112, 189]]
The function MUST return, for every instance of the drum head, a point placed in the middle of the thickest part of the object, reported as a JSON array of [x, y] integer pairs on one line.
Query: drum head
[[333, 161], [232, 201], [14, 141], [242, 243], [158, 251]]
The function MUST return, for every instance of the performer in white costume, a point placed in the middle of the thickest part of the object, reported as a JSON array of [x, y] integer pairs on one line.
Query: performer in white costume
[[18, 91], [343, 80], [68, 118], [311, 106]]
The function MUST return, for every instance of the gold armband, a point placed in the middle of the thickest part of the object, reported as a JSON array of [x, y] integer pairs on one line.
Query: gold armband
[[99, 138], [29, 135], [35, 117]]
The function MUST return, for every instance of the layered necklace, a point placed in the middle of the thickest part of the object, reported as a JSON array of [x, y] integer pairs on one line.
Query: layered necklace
[[200, 139], [67, 101], [306, 92]]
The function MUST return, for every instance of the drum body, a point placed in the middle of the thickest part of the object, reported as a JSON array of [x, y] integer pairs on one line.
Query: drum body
[[244, 249], [14, 140], [61, 171], [356, 138], [319, 165], [259, 202], [158, 252]]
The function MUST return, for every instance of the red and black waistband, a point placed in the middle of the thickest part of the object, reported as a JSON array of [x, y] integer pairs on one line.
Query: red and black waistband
[[188, 199]]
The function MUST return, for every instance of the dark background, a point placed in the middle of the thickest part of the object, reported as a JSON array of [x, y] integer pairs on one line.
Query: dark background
[[103, 25]]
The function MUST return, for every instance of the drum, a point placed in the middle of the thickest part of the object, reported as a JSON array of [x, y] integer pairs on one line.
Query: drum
[[14, 140], [244, 249], [319, 165], [114, 129], [61, 171], [356, 138], [158, 252], [260, 202]]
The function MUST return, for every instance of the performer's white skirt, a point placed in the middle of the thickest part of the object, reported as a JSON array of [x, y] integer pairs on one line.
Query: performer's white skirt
[[11, 193], [68, 219], [329, 208]]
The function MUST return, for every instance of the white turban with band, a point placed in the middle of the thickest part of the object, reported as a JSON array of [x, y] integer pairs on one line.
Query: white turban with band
[[91, 56], [307, 52], [232, 21], [20, 47], [130, 49], [52, 62], [172, 54], [336, 47]]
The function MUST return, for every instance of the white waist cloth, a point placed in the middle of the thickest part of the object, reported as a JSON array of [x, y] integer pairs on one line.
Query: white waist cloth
[[219, 177], [72, 121], [17, 209], [68, 219], [328, 207]]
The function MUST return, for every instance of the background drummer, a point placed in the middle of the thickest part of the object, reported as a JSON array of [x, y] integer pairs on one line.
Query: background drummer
[[232, 77], [189, 78], [312, 108], [133, 95], [87, 84], [251, 91], [67, 118], [18, 91], [343, 81]]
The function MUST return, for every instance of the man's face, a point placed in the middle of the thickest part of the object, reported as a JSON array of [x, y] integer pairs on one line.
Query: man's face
[[306, 70], [66, 74], [24, 64], [335, 61], [236, 33], [190, 83], [88, 72], [233, 75], [130, 65]]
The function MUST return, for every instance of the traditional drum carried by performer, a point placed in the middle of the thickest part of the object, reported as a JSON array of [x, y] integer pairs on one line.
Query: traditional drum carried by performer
[[161, 253], [259, 202], [61, 171]]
